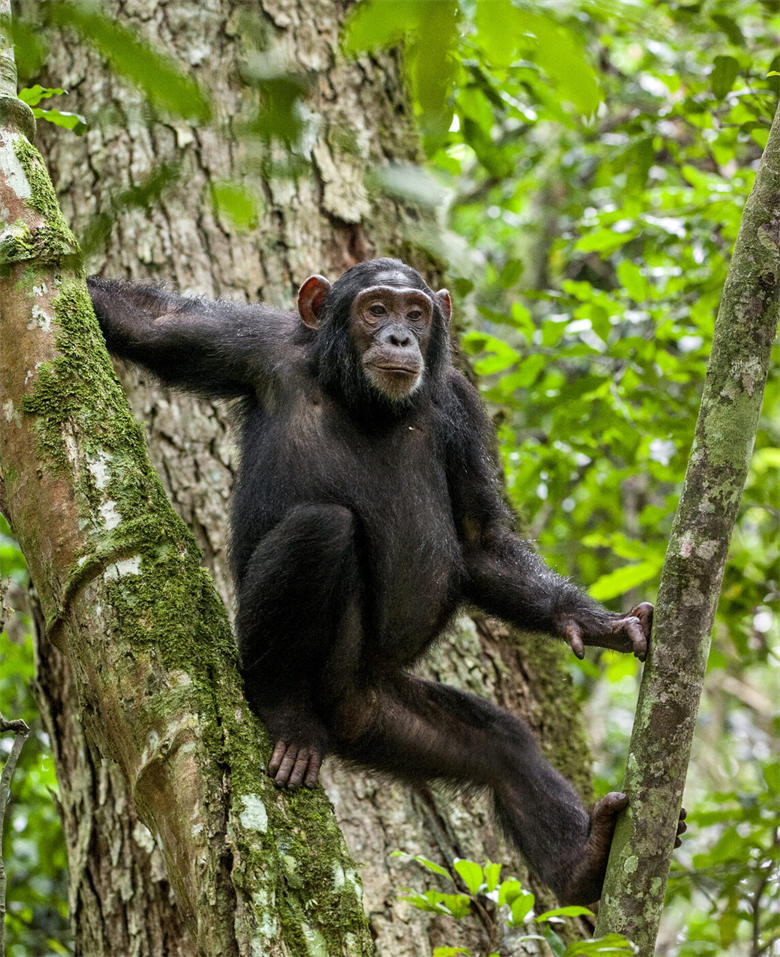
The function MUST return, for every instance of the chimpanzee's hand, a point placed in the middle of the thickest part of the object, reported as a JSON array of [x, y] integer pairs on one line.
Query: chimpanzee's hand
[[629, 632]]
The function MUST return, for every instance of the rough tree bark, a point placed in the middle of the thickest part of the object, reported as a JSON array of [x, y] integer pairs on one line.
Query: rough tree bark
[[692, 573], [124, 597], [319, 222]]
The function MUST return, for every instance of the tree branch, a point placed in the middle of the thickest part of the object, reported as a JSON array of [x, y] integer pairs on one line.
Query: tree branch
[[21, 731]]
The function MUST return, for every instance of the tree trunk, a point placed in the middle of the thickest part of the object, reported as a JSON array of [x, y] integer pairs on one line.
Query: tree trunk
[[322, 221], [153, 664], [691, 578]]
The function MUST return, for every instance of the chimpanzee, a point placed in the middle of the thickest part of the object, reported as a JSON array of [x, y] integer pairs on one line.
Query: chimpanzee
[[368, 507]]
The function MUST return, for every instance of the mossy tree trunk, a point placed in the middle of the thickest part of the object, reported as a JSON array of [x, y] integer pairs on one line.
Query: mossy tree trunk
[[321, 221], [691, 578], [124, 598]]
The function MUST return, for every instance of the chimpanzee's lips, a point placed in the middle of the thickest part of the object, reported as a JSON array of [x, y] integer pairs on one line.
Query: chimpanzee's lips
[[403, 370]]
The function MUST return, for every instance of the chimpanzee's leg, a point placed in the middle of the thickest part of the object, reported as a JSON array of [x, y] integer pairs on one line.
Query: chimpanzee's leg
[[420, 729], [298, 599]]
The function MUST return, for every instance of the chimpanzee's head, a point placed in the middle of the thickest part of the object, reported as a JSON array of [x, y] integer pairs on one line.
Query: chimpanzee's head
[[382, 332]]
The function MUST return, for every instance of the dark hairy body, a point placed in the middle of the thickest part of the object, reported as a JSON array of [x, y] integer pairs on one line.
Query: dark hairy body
[[368, 507]]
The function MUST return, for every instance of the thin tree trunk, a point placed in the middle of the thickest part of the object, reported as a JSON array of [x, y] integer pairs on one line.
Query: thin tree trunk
[[691, 578], [322, 221]]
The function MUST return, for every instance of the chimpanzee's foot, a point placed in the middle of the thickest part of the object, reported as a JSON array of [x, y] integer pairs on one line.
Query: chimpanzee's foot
[[292, 764], [587, 877]]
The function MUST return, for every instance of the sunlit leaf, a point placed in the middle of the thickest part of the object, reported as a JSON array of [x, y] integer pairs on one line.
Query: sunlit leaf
[[571, 910], [471, 873], [521, 907], [509, 889], [69, 121], [622, 580], [492, 874], [32, 95], [237, 202]]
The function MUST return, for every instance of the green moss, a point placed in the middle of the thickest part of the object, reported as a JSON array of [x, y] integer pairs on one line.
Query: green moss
[[51, 241], [170, 611]]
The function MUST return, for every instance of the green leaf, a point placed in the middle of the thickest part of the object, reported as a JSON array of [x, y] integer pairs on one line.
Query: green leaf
[[618, 582], [612, 944], [509, 889], [503, 356], [723, 74], [375, 24], [521, 907], [604, 240], [498, 24], [164, 83], [502, 30], [571, 910], [69, 121], [432, 866], [633, 280], [32, 95], [557, 946], [435, 902], [429, 31], [510, 273], [471, 873], [236, 201], [492, 874], [730, 28]]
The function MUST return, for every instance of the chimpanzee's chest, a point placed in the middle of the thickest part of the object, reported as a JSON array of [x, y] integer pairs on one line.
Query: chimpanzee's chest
[[392, 476], [394, 479]]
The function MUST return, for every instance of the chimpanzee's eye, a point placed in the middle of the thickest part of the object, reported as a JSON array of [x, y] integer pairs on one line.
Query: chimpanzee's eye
[[377, 310]]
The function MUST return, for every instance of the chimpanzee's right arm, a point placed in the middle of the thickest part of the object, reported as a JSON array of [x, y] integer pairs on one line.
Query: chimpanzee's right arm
[[220, 349]]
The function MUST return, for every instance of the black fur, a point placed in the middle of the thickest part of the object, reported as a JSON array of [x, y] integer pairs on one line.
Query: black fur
[[359, 525]]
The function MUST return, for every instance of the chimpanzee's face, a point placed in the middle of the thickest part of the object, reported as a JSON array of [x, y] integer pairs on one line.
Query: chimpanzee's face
[[388, 322], [390, 326]]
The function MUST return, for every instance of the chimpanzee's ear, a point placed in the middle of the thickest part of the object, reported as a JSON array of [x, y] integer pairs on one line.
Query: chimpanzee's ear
[[445, 302], [311, 296]]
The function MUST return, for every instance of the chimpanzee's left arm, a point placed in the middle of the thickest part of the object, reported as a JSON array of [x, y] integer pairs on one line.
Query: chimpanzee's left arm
[[504, 575]]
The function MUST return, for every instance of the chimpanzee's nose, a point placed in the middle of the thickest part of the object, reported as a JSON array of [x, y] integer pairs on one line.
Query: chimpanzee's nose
[[399, 337]]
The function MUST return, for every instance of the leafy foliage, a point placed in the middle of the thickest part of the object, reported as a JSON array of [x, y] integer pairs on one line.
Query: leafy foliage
[[509, 903], [33, 846], [32, 96], [736, 874]]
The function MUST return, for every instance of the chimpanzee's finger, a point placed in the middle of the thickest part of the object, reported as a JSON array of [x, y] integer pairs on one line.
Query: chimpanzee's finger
[[682, 827], [285, 768], [633, 630], [636, 632], [644, 612], [298, 769], [572, 634], [637, 636], [314, 769], [276, 757]]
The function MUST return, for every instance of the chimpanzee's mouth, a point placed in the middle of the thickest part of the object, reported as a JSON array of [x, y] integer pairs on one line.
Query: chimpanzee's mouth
[[398, 369]]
